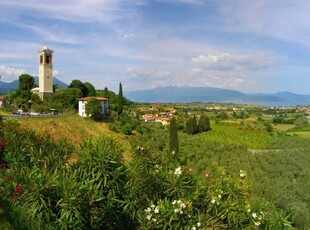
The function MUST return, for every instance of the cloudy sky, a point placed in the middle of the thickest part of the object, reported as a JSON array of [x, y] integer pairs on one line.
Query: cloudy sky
[[247, 45]]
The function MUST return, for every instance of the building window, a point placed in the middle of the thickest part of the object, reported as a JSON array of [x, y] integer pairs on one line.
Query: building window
[[41, 59], [47, 59]]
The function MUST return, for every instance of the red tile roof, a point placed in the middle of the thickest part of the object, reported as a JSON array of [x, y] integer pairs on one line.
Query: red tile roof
[[88, 98]]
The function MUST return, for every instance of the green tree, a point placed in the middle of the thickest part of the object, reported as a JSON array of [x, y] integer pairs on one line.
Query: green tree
[[79, 85], [26, 82], [269, 127], [203, 124], [93, 109], [91, 89], [191, 125], [300, 122], [106, 93], [174, 140], [120, 102], [23, 93]]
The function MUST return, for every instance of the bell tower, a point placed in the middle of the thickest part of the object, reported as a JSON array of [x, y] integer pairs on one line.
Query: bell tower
[[45, 71]]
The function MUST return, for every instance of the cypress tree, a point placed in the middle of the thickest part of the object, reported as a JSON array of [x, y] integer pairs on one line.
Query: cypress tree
[[174, 141], [194, 124], [120, 100], [203, 124], [208, 125], [106, 93], [188, 126]]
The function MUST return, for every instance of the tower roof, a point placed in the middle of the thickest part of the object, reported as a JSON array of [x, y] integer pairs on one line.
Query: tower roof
[[46, 49]]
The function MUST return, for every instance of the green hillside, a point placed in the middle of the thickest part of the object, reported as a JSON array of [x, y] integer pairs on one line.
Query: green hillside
[[75, 129]]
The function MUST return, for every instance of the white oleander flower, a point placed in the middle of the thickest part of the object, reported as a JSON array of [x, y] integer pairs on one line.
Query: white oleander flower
[[156, 210], [178, 171], [148, 217]]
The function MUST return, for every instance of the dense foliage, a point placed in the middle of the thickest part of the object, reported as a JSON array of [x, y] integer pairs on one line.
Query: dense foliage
[[43, 187]]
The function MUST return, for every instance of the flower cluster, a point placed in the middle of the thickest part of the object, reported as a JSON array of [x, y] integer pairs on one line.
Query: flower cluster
[[2, 165], [179, 206], [197, 225], [242, 174], [178, 171], [258, 218], [18, 188], [151, 212], [217, 198], [157, 168]]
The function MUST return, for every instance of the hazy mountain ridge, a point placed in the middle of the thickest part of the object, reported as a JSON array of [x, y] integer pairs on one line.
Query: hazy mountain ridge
[[6, 87], [210, 94]]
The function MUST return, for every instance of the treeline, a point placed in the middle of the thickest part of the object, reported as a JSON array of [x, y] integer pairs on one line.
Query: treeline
[[63, 99], [194, 127]]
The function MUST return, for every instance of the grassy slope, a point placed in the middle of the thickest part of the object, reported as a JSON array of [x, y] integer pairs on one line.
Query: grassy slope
[[75, 129]]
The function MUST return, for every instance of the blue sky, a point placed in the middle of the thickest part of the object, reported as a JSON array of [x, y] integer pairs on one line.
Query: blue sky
[[247, 45]]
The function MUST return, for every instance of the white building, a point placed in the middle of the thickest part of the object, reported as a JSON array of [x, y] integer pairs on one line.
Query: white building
[[103, 101]]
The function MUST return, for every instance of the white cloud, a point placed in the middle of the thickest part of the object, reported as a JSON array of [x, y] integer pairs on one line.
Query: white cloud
[[9, 74], [55, 73], [139, 72], [52, 34], [229, 62], [105, 11], [283, 20]]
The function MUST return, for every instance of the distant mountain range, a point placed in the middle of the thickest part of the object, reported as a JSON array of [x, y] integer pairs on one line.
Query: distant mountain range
[[6, 87], [210, 94]]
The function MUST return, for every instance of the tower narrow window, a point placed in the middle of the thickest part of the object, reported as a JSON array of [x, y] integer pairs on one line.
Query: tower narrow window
[[41, 59], [47, 59]]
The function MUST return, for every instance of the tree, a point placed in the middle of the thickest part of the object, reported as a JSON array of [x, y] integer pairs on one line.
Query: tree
[[120, 103], [203, 124], [191, 125], [301, 122], [79, 85], [90, 88], [26, 82], [23, 93], [106, 93], [174, 141], [269, 127], [93, 109]]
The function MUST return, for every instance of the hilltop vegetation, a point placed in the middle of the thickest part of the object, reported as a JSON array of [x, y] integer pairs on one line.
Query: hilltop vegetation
[[42, 190]]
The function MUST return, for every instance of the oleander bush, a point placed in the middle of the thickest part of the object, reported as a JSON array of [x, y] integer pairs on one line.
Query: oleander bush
[[44, 189]]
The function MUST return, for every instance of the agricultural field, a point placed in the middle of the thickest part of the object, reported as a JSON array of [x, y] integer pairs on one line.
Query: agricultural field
[[276, 163]]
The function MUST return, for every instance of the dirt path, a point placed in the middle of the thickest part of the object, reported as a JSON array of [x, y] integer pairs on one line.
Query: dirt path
[[263, 150]]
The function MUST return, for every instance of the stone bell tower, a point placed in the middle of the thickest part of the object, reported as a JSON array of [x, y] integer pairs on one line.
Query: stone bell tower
[[45, 71]]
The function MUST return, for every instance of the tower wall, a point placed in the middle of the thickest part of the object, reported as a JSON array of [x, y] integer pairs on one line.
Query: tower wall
[[45, 71]]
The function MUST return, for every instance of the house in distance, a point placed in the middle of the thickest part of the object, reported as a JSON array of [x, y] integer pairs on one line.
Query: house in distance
[[104, 102]]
